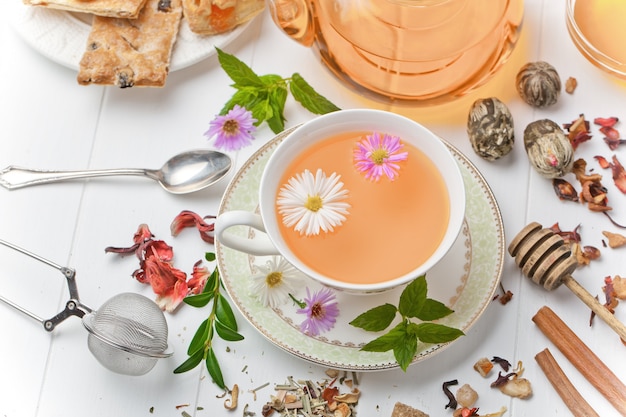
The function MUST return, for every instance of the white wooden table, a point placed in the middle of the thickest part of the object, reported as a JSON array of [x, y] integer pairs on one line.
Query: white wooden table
[[48, 121]]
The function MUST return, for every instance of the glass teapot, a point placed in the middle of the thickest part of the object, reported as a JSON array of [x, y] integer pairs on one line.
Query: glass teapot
[[416, 50]]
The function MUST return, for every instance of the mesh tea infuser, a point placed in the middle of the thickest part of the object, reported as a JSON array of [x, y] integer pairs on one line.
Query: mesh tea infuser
[[127, 335]]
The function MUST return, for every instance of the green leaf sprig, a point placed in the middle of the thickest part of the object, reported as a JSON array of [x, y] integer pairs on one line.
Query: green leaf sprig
[[265, 95], [403, 338], [221, 320]]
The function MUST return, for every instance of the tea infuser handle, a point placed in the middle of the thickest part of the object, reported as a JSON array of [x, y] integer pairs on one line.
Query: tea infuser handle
[[259, 245], [73, 307]]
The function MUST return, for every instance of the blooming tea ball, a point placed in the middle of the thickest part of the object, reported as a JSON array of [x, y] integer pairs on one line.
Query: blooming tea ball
[[490, 128], [549, 151], [538, 84]]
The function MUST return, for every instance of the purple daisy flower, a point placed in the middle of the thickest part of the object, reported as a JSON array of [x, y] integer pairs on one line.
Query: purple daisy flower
[[234, 130], [321, 310], [377, 156]]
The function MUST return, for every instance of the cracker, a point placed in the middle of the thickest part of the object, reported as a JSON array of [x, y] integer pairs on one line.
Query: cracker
[[112, 8], [210, 17], [403, 410], [132, 52]]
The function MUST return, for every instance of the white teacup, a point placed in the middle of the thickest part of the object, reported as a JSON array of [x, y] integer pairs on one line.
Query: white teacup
[[377, 237]]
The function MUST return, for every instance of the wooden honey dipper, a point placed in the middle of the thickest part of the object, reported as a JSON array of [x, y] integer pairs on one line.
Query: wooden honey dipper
[[547, 260]]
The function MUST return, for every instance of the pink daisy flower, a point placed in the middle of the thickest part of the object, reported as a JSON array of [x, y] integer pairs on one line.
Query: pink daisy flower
[[377, 156], [234, 130], [321, 310]]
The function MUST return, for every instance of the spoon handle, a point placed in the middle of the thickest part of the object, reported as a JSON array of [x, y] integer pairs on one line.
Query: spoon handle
[[13, 177]]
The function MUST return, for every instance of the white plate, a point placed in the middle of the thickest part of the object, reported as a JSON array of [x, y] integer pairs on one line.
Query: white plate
[[466, 279], [61, 36]]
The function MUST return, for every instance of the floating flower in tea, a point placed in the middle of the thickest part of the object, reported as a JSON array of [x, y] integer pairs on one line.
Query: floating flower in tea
[[377, 156], [311, 203], [275, 281]]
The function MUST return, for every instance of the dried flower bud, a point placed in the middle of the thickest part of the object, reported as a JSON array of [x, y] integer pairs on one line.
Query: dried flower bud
[[549, 150], [538, 84], [490, 128]]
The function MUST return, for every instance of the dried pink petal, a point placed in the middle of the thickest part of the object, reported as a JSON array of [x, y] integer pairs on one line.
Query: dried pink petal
[[142, 234], [168, 283], [198, 279], [187, 219], [619, 176]]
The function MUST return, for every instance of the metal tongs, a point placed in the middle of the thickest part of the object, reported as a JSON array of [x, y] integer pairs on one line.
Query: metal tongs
[[73, 307]]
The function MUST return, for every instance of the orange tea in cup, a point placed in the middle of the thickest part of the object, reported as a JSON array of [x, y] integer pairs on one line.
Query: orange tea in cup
[[391, 227], [598, 31]]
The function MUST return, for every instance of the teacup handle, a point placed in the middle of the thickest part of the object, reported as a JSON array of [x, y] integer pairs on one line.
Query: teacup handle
[[260, 245]]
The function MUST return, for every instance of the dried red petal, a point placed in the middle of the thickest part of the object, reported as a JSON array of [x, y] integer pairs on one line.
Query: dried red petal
[[159, 249], [604, 164], [198, 279], [167, 282], [578, 131], [578, 138], [606, 121], [564, 190], [122, 251], [188, 218], [610, 132], [329, 393], [142, 234], [568, 237], [469, 412], [614, 143], [619, 176]]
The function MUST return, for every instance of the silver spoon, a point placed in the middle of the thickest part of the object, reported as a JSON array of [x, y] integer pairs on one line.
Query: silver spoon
[[184, 173]]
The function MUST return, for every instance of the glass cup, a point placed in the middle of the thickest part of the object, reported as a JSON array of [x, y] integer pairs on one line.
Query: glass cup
[[417, 50], [598, 31]]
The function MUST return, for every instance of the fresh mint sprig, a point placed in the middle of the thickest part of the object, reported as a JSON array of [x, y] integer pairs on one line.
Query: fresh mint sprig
[[265, 95], [221, 320], [403, 338]]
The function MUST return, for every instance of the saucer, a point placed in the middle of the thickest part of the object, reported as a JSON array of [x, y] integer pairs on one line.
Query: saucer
[[465, 280]]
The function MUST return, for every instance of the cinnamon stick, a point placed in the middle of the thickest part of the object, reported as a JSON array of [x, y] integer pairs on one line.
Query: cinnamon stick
[[575, 350], [563, 386]]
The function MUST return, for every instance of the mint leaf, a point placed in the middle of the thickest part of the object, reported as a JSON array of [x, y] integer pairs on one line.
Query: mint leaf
[[413, 297], [388, 341], [238, 71], [433, 310], [265, 96], [376, 319], [404, 337], [278, 98], [246, 97], [308, 97], [405, 351], [436, 333]]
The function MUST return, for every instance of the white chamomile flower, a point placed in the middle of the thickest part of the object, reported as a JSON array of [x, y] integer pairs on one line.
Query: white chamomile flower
[[275, 281], [311, 203]]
